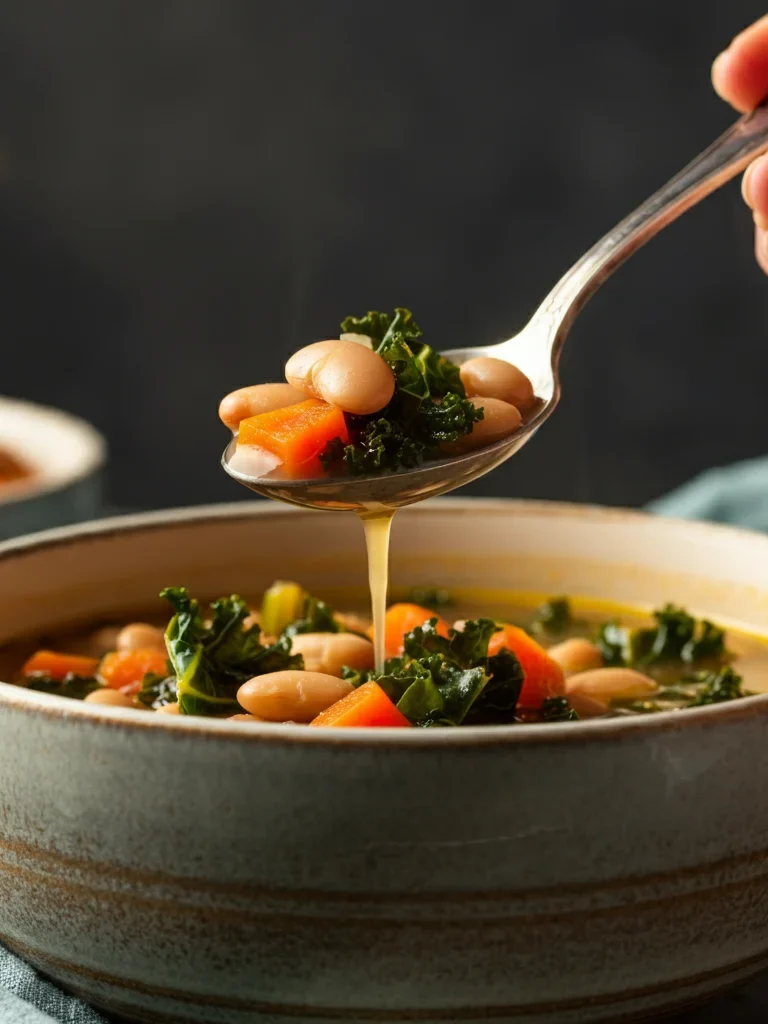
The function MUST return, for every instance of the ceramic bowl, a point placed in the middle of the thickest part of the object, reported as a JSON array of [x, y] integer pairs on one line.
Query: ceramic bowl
[[189, 870], [66, 456]]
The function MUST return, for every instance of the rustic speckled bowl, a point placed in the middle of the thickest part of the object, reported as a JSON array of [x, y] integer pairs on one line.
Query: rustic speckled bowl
[[189, 871]]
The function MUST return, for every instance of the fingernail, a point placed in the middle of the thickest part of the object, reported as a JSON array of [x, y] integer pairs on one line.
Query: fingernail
[[746, 184]]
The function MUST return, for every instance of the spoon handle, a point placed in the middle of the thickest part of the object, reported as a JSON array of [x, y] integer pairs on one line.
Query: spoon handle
[[723, 160]]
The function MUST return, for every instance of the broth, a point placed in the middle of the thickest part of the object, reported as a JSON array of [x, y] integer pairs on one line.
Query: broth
[[737, 658]]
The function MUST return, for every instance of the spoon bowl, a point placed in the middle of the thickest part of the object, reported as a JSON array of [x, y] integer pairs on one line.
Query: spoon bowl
[[395, 490], [536, 349]]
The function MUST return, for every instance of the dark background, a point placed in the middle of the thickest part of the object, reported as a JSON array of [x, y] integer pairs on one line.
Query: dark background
[[191, 189]]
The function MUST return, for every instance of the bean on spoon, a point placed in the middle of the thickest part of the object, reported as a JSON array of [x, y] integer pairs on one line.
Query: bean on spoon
[[344, 374]]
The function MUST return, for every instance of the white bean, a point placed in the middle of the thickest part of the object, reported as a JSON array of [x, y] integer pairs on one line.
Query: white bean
[[139, 635], [256, 399], [343, 373], [576, 655], [608, 684], [330, 652], [169, 709], [359, 339], [103, 640], [291, 695], [586, 707], [106, 695], [499, 420], [353, 623], [496, 378]]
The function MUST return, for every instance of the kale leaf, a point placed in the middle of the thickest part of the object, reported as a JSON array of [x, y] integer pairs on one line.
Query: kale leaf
[[157, 691], [70, 686], [379, 325], [429, 407], [615, 644], [557, 709], [706, 644], [676, 637], [317, 617], [211, 662], [450, 681], [433, 598], [553, 618], [717, 687]]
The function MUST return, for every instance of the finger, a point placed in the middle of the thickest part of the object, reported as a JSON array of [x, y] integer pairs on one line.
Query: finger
[[761, 248], [740, 73], [754, 188]]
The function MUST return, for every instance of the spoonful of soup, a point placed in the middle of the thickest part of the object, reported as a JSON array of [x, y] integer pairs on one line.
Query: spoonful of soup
[[376, 418]]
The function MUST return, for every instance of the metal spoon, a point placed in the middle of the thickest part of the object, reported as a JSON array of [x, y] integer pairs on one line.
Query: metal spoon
[[536, 349]]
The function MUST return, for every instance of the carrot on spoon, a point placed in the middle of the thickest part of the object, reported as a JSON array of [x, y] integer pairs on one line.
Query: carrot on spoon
[[543, 676], [401, 619], [296, 434], [366, 707], [59, 666]]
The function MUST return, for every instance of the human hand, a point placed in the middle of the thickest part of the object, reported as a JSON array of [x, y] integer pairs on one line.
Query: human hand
[[740, 76]]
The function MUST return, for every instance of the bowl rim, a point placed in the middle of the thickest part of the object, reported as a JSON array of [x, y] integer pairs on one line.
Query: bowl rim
[[94, 449], [211, 729]]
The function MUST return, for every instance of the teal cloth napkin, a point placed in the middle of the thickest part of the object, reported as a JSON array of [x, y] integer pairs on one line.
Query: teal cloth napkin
[[736, 494]]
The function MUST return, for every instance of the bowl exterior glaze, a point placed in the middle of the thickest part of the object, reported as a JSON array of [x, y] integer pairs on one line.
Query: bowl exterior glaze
[[193, 871]]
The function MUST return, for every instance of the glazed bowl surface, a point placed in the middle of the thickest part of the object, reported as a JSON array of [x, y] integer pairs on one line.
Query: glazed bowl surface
[[189, 870], [66, 456]]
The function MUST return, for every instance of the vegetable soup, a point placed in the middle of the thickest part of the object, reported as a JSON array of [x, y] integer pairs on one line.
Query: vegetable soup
[[292, 658]]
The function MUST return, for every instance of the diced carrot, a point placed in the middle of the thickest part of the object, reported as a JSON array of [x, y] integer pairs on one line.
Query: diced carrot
[[296, 434], [543, 676], [367, 706], [58, 666], [125, 670], [401, 619]]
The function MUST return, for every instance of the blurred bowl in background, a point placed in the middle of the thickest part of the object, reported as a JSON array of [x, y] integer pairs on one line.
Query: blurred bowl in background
[[50, 468]]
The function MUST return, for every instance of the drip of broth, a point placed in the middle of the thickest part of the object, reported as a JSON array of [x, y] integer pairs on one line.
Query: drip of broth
[[377, 525]]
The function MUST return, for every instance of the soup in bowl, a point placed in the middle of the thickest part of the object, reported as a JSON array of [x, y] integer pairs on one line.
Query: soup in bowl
[[185, 867]]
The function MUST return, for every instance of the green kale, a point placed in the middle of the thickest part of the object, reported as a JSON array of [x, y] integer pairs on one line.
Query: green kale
[[553, 618], [379, 325], [70, 686], [716, 687], [316, 617], [556, 709], [157, 691], [434, 598], [615, 644], [674, 629], [429, 407], [381, 444], [210, 662], [450, 681], [707, 644], [676, 637]]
